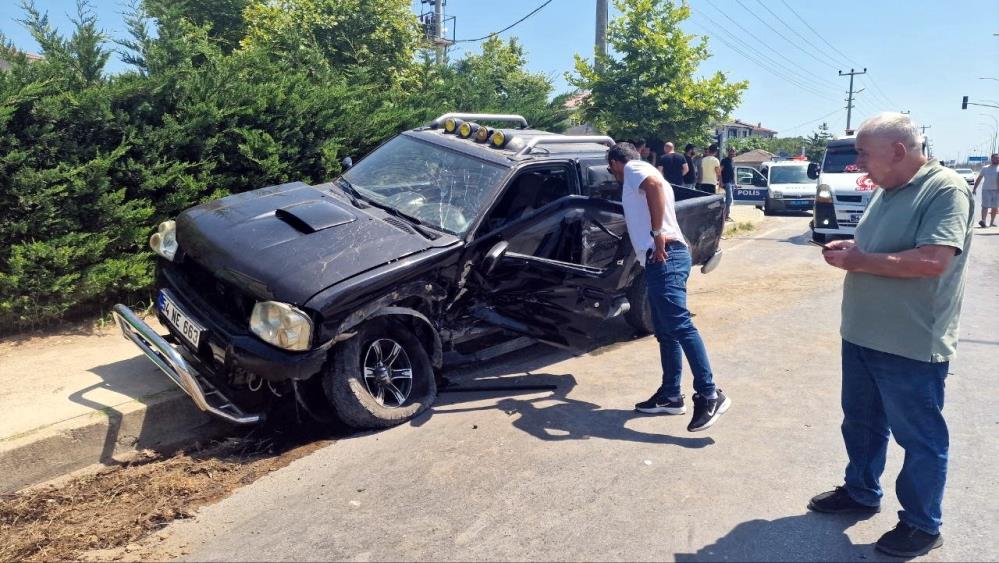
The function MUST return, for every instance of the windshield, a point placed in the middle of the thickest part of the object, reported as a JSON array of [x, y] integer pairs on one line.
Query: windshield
[[789, 175], [438, 187], [840, 159]]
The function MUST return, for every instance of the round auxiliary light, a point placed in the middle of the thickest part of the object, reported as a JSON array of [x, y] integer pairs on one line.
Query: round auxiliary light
[[467, 129], [452, 124], [497, 139], [482, 135]]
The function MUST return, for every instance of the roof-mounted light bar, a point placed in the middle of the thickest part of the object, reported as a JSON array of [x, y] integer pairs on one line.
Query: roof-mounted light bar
[[504, 117], [564, 140]]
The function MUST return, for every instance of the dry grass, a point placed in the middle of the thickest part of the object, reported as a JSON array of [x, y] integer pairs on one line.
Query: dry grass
[[121, 505], [740, 228]]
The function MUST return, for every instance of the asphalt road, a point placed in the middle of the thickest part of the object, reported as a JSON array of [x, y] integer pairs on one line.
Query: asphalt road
[[577, 475]]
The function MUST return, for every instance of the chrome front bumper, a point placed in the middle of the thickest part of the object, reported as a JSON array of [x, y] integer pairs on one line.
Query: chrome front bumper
[[712, 262], [205, 395]]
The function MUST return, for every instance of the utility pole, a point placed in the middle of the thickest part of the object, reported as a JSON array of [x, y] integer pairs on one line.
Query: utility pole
[[849, 100], [600, 43], [923, 128], [439, 29]]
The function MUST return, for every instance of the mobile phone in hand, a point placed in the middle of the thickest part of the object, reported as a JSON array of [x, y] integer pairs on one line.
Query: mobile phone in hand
[[818, 244]]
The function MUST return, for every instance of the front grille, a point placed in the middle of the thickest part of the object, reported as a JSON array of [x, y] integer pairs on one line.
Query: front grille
[[850, 198], [222, 296]]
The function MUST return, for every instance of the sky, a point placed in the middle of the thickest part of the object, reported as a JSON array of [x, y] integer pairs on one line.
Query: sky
[[920, 56]]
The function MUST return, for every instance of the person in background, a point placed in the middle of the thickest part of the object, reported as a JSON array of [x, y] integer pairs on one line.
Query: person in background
[[690, 176], [989, 179], [728, 181], [645, 152], [672, 165], [710, 171], [650, 214], [905, 274]]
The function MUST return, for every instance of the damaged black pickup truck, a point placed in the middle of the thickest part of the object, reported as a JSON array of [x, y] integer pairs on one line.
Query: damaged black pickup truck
[[444, 241]]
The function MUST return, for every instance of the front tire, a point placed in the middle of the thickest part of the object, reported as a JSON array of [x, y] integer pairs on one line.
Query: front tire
[[381, 377], [639, 314]]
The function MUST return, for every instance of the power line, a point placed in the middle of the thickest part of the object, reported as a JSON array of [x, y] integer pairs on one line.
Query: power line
[[777, 63], [805, 40], [805, 79], [789, 79], [800, 125], [879, 90], [507, 28], [876, 98], [812, 29], [764, 22]]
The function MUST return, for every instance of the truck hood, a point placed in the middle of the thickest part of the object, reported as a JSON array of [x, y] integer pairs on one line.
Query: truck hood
[[288, 242]]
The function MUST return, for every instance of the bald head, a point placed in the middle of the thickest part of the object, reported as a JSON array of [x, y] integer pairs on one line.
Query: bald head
[[668, 147]]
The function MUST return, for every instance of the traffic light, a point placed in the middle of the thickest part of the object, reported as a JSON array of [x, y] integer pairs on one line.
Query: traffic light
[[964, 103]]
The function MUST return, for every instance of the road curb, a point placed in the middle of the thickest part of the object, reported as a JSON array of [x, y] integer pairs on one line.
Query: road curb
[[160, 422]]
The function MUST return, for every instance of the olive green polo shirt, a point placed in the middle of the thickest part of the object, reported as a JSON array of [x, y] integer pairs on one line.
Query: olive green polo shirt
[[912, 317]]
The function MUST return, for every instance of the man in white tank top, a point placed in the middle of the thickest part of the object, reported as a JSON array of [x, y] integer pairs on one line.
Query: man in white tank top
[[650, 214]]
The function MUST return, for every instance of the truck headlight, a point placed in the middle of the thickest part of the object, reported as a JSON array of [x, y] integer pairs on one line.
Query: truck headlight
[[282, 325], [164, 240], [823, 194], [777, 195]]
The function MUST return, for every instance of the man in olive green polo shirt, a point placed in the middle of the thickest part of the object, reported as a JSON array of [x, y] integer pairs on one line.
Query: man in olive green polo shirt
[[901, 303]]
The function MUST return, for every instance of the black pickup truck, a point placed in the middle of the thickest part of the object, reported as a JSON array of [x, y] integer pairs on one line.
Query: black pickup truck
[[445, 240]]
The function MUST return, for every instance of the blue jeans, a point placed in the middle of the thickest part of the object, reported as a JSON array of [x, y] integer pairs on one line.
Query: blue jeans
[[729, 194], [676, 333], [884, 393]]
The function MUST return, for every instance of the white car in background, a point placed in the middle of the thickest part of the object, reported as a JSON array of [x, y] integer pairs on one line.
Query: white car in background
[[968, 175]]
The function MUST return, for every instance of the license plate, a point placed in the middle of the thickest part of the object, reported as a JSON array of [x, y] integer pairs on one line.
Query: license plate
[[799, 203], [190, 330]]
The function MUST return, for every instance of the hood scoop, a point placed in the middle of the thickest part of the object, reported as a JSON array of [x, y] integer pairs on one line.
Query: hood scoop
[[315, 215]]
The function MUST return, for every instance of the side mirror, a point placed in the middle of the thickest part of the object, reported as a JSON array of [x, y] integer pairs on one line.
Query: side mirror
[[347, 163], [813, 170], [493, 257]]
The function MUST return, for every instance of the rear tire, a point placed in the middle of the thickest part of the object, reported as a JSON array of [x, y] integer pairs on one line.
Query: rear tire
[[639, 315], [381, 377]]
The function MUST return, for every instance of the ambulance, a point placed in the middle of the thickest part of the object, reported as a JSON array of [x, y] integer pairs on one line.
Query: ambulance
[[842, 192]]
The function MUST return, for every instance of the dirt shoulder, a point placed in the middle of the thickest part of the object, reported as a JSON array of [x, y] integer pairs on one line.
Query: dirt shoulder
[[104, 514]]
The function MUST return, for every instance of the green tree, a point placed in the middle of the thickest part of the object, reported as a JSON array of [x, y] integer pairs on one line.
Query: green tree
[[493, 81], [815, 144], [790, 145], [646, 86], [380, 36], [223, 18]]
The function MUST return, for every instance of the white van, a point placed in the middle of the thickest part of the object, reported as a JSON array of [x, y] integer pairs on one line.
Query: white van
[[842, 192], [776, 186], [789, 187]]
